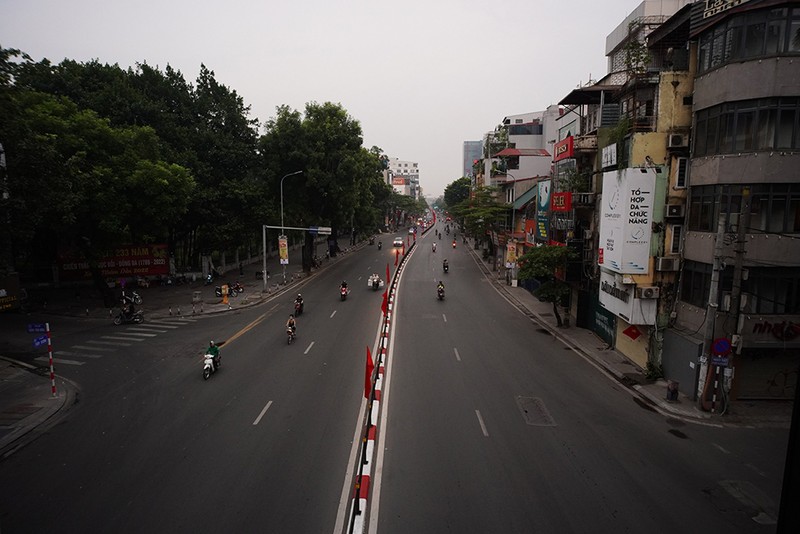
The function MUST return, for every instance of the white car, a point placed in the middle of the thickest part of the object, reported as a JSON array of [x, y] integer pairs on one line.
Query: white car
[[398, 242]]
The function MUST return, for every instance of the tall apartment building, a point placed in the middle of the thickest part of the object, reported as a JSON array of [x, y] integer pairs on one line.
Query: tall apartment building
[[472, 152]]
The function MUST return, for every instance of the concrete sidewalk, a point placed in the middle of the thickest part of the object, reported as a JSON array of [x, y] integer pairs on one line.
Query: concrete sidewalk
[[651, 392], [27, 404]]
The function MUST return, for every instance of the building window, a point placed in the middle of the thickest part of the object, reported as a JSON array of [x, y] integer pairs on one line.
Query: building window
[[675, 242], [774, 208], [763, 33], [695, 283], [764, 124], [680, 173]]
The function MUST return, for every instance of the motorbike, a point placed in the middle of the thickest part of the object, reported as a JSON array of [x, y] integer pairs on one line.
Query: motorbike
[[298, 308], [290, 334], [209, 279], [454, 243], [343, 291], [440, 292], [380, 245], [136, 318], [232, 291], [210, 365], [445, 267], [133, 297], [434, 247]]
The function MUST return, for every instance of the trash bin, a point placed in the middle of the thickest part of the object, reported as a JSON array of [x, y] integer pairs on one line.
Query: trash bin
[[672, 390], [196, 296]]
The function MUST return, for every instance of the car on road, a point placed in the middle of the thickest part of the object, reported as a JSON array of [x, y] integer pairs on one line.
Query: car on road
[[398, 242]]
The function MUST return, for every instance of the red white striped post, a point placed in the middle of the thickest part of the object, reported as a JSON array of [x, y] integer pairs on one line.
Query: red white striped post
[[50, 352]]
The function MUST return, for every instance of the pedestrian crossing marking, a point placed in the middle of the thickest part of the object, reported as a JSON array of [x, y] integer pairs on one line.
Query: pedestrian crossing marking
[[137, 329], [58, 360], [141, 334], [123, 338], [79, 354], [99, 349], [110, 343]]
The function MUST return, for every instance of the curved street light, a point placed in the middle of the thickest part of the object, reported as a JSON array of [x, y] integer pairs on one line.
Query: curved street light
[[264, 237]]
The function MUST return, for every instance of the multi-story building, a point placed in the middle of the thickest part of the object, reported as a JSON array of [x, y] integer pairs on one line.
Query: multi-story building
[[471, 153], [405, 177], [738, 309]]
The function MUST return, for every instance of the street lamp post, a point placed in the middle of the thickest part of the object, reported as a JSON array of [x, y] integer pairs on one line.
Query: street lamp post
[[264, 237]]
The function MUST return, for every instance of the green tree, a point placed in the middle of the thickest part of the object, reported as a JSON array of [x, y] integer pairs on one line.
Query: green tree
[[541, 263], [457, 192], [481, 214]]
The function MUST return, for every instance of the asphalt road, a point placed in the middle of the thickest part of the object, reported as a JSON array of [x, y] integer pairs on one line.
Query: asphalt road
[[493, 426], [262, 446], [490, 425]]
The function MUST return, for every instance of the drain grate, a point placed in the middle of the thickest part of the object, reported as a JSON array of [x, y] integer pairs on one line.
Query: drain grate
[[534, 411]]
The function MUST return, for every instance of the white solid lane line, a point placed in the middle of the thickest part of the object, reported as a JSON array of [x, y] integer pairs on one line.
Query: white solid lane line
[[309, 347], [458, 356], [262, 413], [483, 426]]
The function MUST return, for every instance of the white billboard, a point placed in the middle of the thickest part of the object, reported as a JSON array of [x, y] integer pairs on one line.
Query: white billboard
[[620, 299], [626, 219]]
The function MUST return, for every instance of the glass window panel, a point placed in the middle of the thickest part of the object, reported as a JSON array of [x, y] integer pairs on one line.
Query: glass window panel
[[758, 213], [733, 43], [718, 47], [766, 295], [745, 121], [754, 35], [783, 286], [786, 126], [711, 135], [794, 36], [726, 133], [777, 214], [700, 137], [706, 214], [775, 37], [793, 217], [766, 128]]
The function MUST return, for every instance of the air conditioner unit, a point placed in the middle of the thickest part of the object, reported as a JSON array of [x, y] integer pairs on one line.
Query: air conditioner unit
[[668, 264], [678, 141], [676, 210], [647, 292]]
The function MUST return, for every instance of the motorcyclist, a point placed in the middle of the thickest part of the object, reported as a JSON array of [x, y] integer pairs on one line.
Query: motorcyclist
[[445, 265], [299, 300], [127, 308], [440, 287], [290, 324], [434, 247], [380, 244], [213, 350], [344, 284]]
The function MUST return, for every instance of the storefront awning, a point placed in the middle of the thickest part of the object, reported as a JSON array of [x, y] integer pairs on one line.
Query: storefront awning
[[511, 152], [525, 198]]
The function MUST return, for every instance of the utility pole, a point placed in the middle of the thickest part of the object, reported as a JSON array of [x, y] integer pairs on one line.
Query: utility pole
[[736, 290], [709, 384]]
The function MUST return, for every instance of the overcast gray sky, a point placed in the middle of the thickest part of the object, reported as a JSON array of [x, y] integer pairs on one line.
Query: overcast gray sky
[[420, 76]]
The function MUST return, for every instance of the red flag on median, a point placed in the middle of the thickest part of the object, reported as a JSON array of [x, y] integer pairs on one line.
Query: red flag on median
[[368, 375]]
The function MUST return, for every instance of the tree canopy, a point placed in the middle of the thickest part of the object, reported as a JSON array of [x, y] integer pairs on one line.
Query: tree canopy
[[98, 156]]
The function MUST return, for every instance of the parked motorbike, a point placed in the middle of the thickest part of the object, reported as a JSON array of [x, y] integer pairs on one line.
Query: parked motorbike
[[232, 291], [135, 318], [440, 292], [291, 333], [210, 365]]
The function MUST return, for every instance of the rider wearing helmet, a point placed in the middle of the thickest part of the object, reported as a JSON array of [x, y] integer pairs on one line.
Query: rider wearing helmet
[[213, 350]]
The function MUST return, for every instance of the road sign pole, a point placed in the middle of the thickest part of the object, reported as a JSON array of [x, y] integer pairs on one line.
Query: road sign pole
[[50, 352]]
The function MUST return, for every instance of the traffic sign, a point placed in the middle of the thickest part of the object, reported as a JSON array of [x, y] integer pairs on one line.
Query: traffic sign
[[324, 230], [40, 341], [721, 346], [36, 327]]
